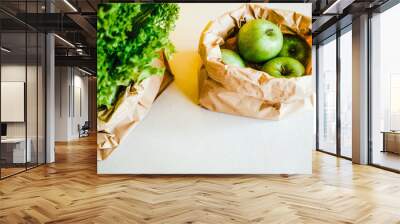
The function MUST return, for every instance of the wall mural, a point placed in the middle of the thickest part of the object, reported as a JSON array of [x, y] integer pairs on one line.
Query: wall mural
[[204, 88]]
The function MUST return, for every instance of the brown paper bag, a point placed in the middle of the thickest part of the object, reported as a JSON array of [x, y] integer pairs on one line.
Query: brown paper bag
[[246, 91], [130, 109]]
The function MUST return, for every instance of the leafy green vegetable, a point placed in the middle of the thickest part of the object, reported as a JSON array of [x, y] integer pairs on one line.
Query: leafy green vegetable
[[129, 37]]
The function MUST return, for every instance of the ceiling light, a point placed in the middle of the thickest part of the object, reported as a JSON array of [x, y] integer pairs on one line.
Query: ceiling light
[[84, 71], [5, 50], [70, 5], [65, 41], [79, 51]]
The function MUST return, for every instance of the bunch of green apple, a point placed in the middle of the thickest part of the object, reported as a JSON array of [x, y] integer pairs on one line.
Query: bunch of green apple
[[263, 46]]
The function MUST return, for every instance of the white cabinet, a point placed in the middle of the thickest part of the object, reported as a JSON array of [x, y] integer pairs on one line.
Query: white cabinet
[[17, 146]]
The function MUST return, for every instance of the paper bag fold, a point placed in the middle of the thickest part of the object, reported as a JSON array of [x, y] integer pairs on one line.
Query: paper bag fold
[[131, 108]]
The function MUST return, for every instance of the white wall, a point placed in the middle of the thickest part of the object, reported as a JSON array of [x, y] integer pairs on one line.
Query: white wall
[[10, 73], [69, 82], [61, 103], [15, 72], [79, 117]]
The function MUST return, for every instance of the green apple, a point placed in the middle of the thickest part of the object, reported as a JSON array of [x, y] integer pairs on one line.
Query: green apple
[[230, 57], [259, 40], [284, 67], [295, 47]]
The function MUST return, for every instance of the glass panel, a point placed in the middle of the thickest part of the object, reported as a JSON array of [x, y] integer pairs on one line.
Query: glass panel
[[327, 96], [346, 93], [41, 99], [22, 88], [31, 99], [314, 65], [385, 89], [77, 112], [32, 88], [13, 78]]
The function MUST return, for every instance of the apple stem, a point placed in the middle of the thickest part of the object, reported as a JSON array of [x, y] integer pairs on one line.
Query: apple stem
[[269, 32], [285, 71]]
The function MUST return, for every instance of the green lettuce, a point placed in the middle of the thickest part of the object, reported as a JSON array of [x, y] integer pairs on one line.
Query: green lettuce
[[129, 37]]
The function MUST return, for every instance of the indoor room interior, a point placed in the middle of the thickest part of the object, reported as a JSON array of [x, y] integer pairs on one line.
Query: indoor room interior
[[48, 159], [23, 90], [22, 102]]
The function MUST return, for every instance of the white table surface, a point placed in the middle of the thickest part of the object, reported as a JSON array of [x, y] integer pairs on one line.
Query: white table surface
[[12, 140]]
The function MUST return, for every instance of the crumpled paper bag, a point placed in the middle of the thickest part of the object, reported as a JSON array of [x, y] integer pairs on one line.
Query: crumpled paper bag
[[130, 109], [247, 91]]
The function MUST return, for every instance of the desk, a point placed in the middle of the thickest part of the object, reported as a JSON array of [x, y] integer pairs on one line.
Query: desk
[[391, 141], [15, 148]]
